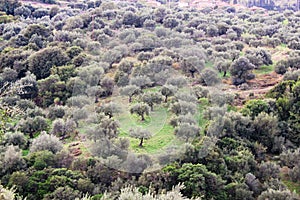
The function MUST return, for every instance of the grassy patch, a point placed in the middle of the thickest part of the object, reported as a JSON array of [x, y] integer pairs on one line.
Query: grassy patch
[[152, 89], [4, 19], [282, 45], [202, 106], [265, 69], [84, 149], [25, 152], [292, 186], [159, 141], [209, 64], [154, 122], [222, 73], [157, 123]]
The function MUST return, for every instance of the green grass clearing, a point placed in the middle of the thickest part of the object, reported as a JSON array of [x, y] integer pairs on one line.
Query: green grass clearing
[[157, 123], [209, 64], [282, 46], [265, 69], [157, 143], [221, 74], [152, 89]]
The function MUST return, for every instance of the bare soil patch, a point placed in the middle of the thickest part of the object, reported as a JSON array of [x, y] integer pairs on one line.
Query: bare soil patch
[[257, 88]]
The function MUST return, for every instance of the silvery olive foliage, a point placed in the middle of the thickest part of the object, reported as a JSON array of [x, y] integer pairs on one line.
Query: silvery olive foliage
[[46, 141]]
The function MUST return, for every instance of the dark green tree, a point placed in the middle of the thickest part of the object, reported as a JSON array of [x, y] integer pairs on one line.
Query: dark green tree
[[198, 180], [41, 62], [9, 6], [240, 71], [255, 106]]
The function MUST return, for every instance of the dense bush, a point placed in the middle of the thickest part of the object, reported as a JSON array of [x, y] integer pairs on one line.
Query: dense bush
[[46, 142]]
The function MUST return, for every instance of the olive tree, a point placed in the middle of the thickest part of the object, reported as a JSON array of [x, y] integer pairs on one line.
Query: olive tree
[[177, 81], [167, 91], [140, 109], [130, 91], [9, 6], [108, 128], [183, 108], [56, 112], [181, 119], [240, 71], [46, 142], [223, 66], [107, 86], [109, 109], [15, 138], [141, 81], [152, 98], [209, 77], [259, 57], [33, 125], [63, 128], [192, 65], [141, 134], [187, 131], [277, 195], [12, 160]]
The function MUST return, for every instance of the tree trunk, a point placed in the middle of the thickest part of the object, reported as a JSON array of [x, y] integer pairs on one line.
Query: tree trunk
[[143, 118], [225, 72], [151, 107], [141, 142], [130, 99], [192, 73], [166, 99]]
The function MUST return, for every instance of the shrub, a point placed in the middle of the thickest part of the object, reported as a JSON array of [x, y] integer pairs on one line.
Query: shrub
[[15, 138], [46, 142], [56, 112]]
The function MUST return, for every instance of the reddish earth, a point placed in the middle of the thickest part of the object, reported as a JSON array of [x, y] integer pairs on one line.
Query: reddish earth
[[258, 87], [74, 149], [284, 170]]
